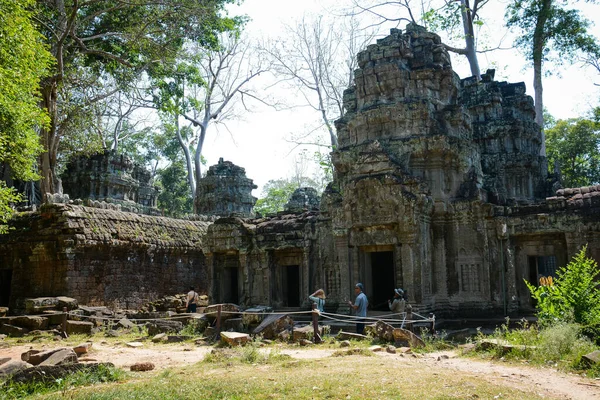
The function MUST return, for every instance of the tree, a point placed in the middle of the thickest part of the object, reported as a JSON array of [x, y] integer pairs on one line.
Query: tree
[[275, 195], [446, 15], [24, 60], [548, 31], [119, 39], [174, 199], [574, 145], [318, 59], [207, 88]]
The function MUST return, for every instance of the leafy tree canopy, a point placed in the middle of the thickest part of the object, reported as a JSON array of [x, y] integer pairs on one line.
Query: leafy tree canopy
[[574, 145], [24, 60]]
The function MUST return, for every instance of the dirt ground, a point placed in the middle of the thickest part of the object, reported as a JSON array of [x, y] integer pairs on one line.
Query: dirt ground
[[544, 381]]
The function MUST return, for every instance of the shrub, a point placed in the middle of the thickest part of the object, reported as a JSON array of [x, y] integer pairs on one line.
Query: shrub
[[573, 296]]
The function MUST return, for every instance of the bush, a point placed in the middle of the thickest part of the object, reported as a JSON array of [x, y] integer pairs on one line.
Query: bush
[[573, 296]]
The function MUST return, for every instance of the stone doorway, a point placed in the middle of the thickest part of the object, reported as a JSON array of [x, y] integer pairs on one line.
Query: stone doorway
[[227, 277], [290, 282], [380, 279], [541, 266], [5, 282]]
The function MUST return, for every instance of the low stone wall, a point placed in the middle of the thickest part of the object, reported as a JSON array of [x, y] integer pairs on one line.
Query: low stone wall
[[101, 257]]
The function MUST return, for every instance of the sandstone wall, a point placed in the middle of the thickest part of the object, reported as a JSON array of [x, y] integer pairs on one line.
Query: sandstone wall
[[102, 257]]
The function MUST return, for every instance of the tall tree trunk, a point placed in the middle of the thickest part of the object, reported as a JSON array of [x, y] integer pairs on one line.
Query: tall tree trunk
[[470, 50], [539, 42], [188, 158], [48, 140], [198, 158]]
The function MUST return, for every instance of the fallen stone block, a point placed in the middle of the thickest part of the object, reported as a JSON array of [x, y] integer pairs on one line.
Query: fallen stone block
[[134, 344], [29, 322], [36, 357], [235, 338], [161, 337], [54, 317], [13, 331], [177, 338], [345, 343], [125, 324], [142, 366], [503, 346], [349, 335], [233, 324], [592, 358], [391, 349], [305, 332], [10, 368], [273, 324], [61, 357], [3, 311], [40, 304], [406, 336], [79, 327], [66, 302], [376, 349], [163, 326], [305, 342], [380, 330], [255, 315], [82, 348], [4, 360]]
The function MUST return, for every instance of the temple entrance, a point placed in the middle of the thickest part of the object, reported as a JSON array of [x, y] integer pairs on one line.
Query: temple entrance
[[226, 288], [5, 281], [380, 279], [290, 276]]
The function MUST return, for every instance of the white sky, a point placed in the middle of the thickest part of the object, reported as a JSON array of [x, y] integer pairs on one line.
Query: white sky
[[260, 143]]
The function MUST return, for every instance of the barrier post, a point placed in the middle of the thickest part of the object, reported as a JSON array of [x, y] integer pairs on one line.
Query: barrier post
[[64, 322], [219, 309], [409, 318], [432, 317], [315, 319]]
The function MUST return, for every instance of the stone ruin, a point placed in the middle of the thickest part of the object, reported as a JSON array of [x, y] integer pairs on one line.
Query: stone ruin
[[438, 188], [111, 178]]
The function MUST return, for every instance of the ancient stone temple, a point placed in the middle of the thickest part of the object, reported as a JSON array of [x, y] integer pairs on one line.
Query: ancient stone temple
[[438, 188], [225, 190], [112, 178]]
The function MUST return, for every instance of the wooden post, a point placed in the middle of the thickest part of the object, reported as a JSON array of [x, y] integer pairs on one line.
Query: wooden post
[[219, 309], [432, 317], [409, 317], [315, 319], [64, 323]]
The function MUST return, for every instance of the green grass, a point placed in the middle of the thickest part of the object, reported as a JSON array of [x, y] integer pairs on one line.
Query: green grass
[[104, 374], [334, 377]]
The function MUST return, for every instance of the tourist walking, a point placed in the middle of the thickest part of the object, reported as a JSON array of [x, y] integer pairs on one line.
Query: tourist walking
[[398, 304], [360, 307], [192, 301], [318, 298]]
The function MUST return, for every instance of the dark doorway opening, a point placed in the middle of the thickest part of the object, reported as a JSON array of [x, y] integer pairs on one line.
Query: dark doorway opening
[[231, 289], [383, 280], [291, 283], [5, 281]]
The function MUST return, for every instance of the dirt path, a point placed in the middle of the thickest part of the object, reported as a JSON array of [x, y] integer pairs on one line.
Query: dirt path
[[543, 381]]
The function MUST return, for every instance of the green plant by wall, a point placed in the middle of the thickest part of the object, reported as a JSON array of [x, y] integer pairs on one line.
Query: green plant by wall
[[574, 296]]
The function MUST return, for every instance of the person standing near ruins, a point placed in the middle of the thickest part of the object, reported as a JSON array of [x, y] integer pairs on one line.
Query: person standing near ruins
[[192, 301], [318, 297], [397, 305], [360, 307]]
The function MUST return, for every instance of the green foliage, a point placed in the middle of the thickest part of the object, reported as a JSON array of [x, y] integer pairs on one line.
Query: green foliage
[[8, 196], [103, 374], [557, 28], [575, 145], [24, 60], [175, 198], [574, 296], [275, 195]]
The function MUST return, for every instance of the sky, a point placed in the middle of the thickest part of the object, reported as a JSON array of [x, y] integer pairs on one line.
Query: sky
[[261, 141]]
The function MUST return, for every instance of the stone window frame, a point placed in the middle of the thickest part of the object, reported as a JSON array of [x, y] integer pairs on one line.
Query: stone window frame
[[470, 274]]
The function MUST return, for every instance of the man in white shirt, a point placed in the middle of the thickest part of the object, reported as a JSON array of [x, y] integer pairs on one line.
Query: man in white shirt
[[192, 301]]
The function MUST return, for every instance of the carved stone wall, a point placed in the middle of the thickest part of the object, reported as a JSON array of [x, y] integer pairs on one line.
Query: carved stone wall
[[102, 257], [225, 190], [113, 178]]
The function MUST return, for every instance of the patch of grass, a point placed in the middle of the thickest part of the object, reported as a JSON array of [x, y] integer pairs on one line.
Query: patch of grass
[[333, 377], [354, 351], [561, 345], [249, 354], [104, 374]]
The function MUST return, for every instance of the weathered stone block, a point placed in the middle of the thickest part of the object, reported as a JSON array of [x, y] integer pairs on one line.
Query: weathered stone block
[[10, 368], [30, 322], [273, 325], [404, 335], [61, 357], [228, 310], [163, 326], [235, 338], [79, 327], [13, 331]]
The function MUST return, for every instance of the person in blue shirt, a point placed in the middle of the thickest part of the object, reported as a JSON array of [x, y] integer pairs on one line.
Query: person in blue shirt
[[318, 298], [360, 307]]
